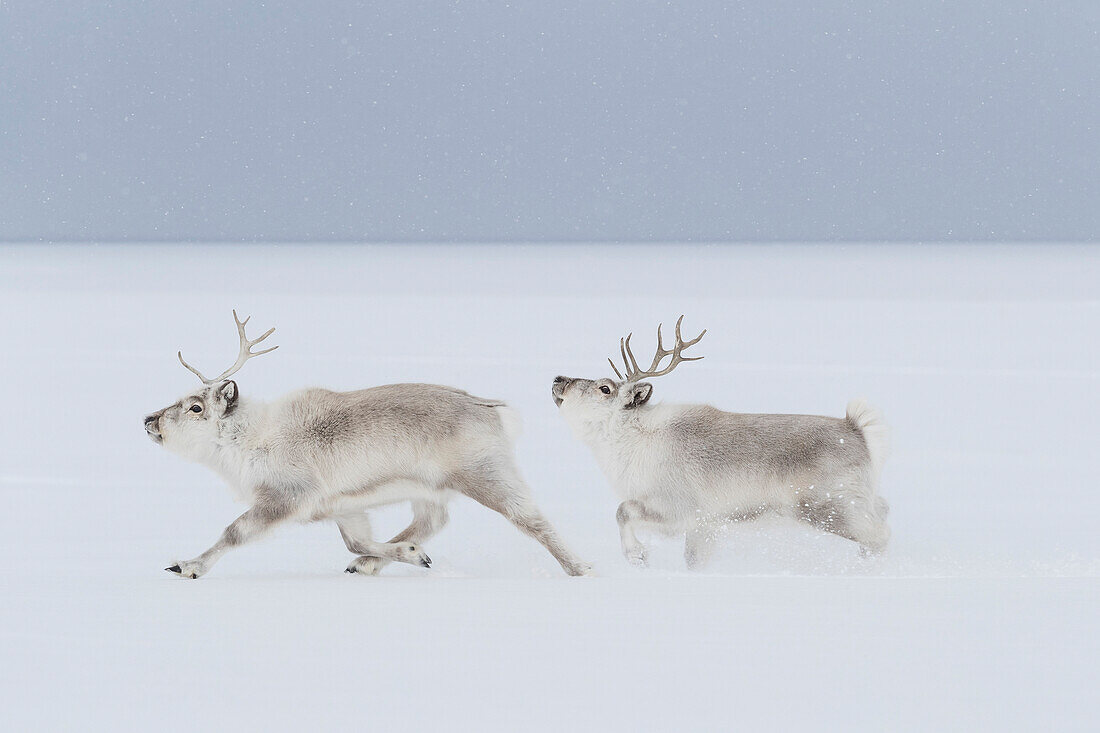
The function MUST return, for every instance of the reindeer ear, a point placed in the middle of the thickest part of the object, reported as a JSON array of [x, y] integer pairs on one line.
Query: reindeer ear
[[229, 393], [639, 395]]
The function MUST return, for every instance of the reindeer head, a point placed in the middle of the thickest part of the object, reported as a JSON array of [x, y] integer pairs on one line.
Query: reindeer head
[[191, 425], [585, 402]]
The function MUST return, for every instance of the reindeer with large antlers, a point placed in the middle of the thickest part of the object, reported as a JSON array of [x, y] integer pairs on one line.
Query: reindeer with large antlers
[[317, 454], [692, 469]]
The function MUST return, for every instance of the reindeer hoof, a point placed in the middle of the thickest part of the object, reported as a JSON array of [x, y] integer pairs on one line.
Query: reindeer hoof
[[425, 561], [189, 569], [350, 570]]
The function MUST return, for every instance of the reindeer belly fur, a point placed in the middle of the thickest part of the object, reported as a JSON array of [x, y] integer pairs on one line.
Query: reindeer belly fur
[[390, 492]]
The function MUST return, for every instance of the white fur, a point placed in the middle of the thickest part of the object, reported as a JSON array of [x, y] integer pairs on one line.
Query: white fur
[[693, 468], [317, 454], [874, 429]]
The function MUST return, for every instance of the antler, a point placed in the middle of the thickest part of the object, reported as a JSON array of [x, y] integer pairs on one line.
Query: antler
[[245, 354], [633, 373]]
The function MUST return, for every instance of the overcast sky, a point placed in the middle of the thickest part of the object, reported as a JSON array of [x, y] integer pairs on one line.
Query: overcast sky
[[549, 120]]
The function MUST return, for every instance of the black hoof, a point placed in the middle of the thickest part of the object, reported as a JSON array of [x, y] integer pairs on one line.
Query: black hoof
[[174, 569], [351, 570], [426, 562]]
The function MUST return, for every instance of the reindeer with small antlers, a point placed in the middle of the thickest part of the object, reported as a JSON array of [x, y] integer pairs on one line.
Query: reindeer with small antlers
[[317, 454], [692, 469]]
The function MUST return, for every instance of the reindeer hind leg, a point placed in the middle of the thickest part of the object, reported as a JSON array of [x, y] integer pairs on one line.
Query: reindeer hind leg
[[498, 486]]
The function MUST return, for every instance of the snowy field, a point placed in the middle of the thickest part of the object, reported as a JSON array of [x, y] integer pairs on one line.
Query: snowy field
[[981, 616]]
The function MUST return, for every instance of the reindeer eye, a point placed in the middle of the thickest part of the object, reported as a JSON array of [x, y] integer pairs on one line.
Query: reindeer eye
[[605, 389], [196, 408]]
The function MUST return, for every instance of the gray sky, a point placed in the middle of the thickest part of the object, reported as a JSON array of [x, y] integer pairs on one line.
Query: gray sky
[[549, 121]]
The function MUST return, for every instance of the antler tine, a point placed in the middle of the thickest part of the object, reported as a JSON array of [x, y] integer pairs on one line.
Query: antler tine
[[661, 353], [633, 361], [617, 373], [685, 344], [253, 342], [629, 361], [192, 369], [244, 355]]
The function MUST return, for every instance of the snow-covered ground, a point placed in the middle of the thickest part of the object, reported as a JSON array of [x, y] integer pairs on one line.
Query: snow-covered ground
[[981, 616]]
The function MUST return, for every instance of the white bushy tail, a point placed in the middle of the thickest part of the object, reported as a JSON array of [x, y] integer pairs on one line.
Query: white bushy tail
[[875, 432], [511, 420]]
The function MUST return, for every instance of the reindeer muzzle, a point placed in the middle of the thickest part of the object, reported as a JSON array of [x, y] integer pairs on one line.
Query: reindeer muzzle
[[152, 427], [558, 390]]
